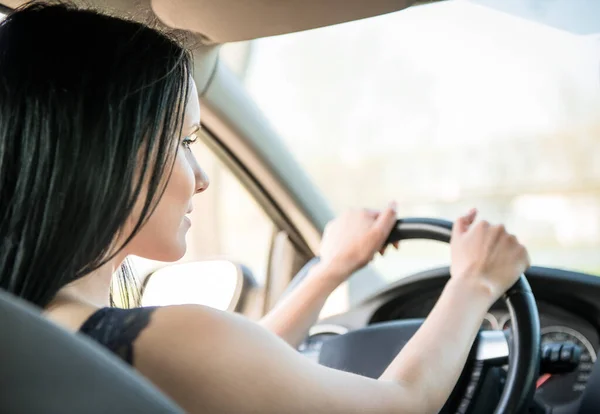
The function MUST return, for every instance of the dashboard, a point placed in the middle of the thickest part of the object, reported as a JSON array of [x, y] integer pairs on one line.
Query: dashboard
[[568, 305], [557, 326]]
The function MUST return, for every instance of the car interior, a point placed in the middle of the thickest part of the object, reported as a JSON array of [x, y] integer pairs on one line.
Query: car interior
[[538, 346]]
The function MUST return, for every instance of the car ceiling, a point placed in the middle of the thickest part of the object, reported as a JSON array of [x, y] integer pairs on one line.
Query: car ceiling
[[212, 22], [221, 21]]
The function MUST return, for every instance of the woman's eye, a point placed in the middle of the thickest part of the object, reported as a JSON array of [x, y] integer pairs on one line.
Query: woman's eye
[[189, 140]]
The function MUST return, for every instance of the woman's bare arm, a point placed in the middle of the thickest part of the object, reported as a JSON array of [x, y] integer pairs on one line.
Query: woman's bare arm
[[349, 243], [292, 316], [212, 362]]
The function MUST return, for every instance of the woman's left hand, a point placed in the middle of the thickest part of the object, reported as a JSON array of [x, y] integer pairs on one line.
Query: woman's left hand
[[349, 243], [351, 240]]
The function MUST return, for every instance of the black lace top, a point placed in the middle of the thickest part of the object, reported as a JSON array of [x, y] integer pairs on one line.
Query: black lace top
[[117, 329]]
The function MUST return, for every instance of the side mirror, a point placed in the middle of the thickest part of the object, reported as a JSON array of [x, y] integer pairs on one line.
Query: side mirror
[[220, 284]]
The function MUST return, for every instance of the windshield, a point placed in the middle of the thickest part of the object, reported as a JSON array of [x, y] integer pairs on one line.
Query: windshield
[[442, 108]]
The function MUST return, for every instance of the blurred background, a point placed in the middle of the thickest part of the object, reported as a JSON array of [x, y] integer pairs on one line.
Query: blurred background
[[441, 109]]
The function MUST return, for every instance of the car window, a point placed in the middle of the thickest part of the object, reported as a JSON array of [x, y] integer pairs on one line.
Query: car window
[[443, 107]]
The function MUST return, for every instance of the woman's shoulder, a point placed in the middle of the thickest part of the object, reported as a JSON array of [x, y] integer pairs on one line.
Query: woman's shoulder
[[117, 329], [123, 331], [212, 361]]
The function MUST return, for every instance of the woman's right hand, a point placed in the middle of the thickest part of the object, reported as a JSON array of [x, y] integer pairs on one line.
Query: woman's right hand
[[486, 256]]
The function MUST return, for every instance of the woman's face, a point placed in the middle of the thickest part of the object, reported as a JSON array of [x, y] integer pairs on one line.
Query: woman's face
[[163, 236]]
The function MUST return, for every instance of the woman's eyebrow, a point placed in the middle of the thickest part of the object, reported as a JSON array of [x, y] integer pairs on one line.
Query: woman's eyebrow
[[194, 128]]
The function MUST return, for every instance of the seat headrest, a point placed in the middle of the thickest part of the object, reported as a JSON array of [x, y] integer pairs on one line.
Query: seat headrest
[[46, 369]]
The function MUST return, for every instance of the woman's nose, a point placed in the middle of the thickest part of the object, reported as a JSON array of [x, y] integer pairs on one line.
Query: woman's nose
[[202, 181]]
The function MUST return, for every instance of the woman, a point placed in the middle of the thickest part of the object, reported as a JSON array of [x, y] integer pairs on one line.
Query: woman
[[96, 119]]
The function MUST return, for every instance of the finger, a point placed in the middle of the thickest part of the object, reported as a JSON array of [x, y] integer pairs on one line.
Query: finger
[[463, 223], [522, 253], [527, 259], [500, 233], [372, 212], [396, 245], [470, 217], [384, 223]]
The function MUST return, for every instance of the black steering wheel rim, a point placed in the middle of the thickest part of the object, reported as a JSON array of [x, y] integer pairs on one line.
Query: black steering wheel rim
[[524, 348], [524, 353]]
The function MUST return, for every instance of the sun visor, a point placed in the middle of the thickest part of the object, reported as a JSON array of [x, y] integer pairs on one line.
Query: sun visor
[[221, 21]]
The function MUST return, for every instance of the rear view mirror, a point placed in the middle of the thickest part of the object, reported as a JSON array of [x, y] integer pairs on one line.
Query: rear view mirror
[[220, 284]]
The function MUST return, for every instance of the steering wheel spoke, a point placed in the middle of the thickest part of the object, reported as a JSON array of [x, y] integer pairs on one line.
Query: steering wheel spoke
[[491, 348]]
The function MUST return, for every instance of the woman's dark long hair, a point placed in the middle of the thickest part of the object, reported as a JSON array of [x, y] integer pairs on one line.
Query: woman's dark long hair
[[91, 109]]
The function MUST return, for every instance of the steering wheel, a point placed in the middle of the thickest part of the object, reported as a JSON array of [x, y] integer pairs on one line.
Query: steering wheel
[[368, 351]]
